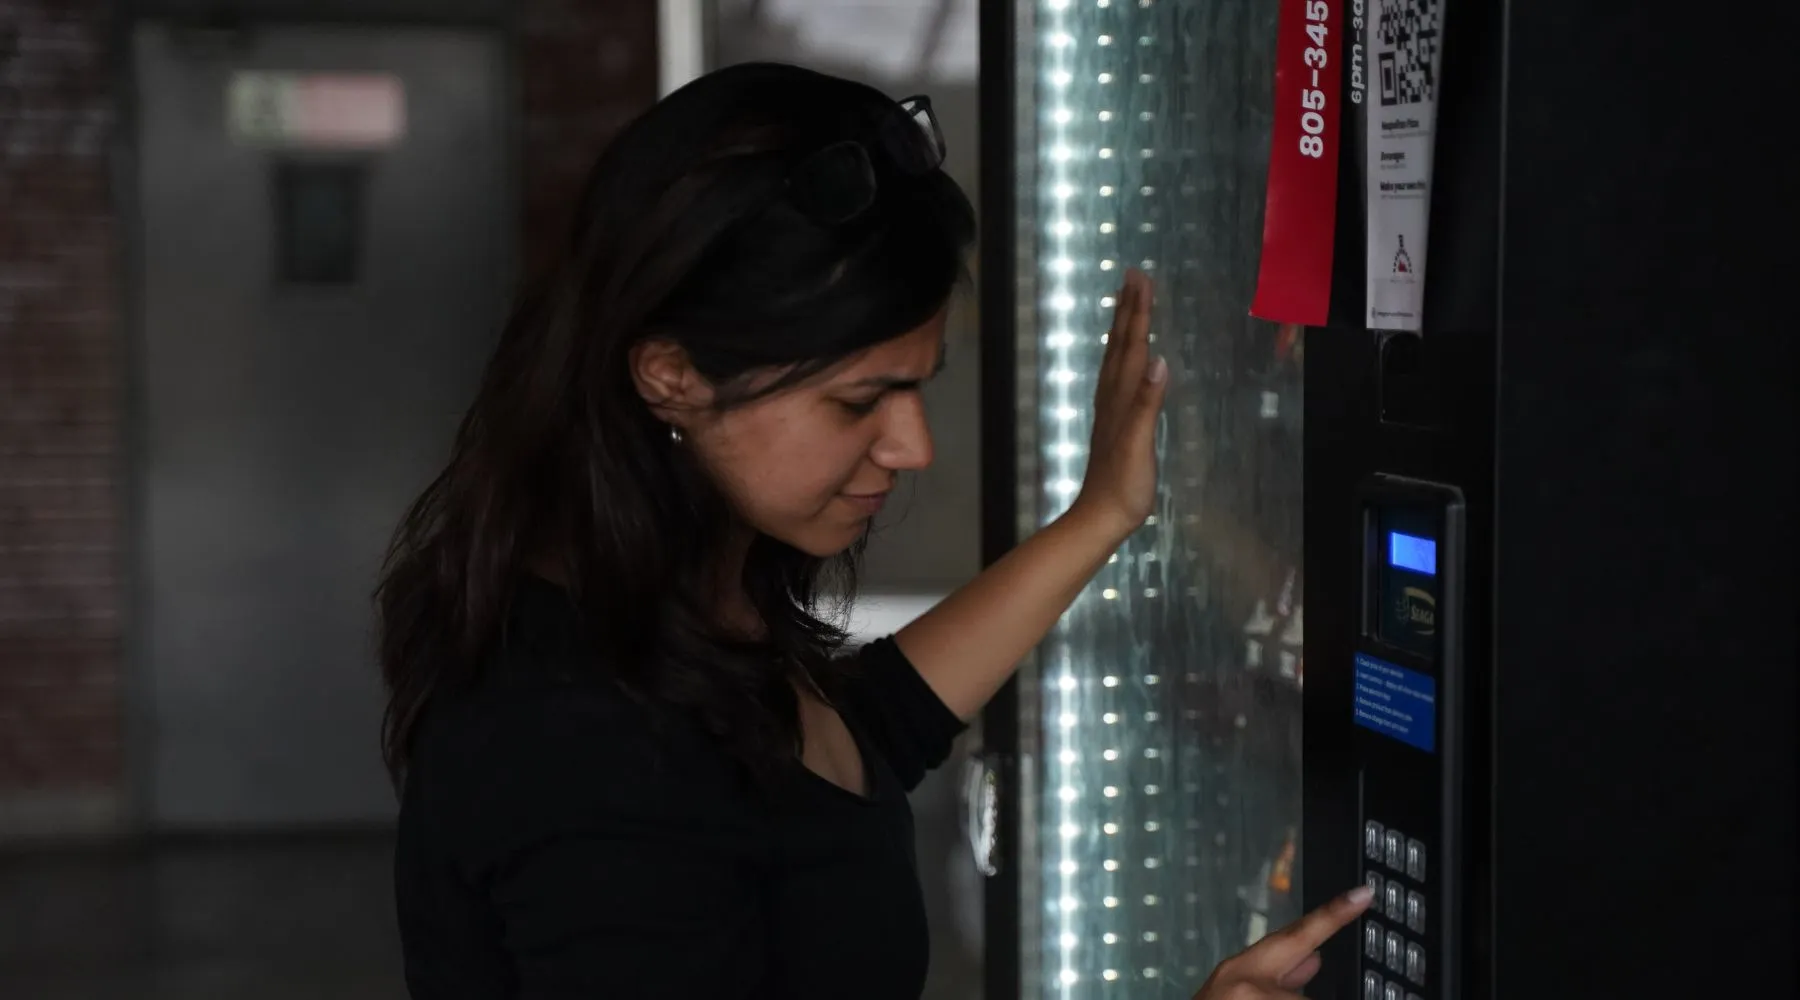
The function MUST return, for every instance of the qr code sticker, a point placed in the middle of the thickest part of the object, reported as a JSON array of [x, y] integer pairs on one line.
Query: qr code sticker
[[1408, 35]]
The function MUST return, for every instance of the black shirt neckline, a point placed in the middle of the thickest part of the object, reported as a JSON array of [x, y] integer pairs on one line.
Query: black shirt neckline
[[872, 777]]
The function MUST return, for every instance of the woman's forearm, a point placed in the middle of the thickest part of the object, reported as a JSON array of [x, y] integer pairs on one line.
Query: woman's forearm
[[967, 646]]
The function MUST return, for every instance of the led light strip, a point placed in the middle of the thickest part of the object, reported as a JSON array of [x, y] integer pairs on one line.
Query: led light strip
[[1061, 452]]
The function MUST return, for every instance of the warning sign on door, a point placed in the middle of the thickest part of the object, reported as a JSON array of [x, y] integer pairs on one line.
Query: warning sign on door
[[316, 110]]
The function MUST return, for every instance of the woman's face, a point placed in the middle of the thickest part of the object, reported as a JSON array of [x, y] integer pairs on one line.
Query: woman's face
[[812, 464]]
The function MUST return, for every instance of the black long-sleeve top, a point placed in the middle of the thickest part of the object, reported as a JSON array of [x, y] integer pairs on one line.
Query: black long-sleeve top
[[555, 845]]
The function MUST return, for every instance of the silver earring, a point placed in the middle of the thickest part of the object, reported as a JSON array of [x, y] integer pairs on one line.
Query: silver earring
[[675, 434]]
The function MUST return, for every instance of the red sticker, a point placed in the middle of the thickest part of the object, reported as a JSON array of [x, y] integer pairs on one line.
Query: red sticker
[[1300, 216]]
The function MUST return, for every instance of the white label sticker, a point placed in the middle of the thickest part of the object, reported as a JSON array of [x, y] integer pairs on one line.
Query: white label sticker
[[1403, 50]]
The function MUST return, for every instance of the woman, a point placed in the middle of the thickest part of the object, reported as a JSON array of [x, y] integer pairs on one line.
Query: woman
[[631, 764]]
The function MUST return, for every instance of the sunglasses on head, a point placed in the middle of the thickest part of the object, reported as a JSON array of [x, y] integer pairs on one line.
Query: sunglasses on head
[[837, 183]]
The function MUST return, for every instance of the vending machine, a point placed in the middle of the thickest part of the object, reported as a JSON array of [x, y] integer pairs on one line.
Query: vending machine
[[1470, 323]]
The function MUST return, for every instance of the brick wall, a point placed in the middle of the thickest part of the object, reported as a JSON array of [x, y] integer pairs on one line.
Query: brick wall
[[60, 427], [589, 65]]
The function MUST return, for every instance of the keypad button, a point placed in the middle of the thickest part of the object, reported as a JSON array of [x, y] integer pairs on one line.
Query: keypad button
[[1415, 912], [1392, 992], [1372, 940], [1396, 952], [1394, 901], [1415, 860], [1415, 963], [1394, 846], [1374, 881], [1372, 842], [1372, 986]]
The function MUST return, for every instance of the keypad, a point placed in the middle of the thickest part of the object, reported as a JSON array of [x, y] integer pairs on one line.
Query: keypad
[[1394, 957], [1415, 860], [1415, 962], [1415, 913], [1377, 988]]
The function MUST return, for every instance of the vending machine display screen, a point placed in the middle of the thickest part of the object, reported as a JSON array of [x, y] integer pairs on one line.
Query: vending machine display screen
[[1406, 581], [1412, 553]]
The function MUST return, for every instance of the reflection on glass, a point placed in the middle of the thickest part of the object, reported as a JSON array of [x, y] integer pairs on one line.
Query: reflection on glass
[[1168, 773]]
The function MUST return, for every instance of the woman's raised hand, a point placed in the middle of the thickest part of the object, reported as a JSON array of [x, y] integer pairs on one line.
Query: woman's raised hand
[[1120, 487]]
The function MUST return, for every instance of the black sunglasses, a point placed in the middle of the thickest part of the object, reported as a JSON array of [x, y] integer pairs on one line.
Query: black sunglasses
[[837, 183]]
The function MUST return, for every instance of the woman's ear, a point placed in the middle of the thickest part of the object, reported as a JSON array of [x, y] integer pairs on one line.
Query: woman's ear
[[666, 379]]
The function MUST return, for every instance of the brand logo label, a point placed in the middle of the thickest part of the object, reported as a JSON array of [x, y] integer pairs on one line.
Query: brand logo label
[[1418, 610]]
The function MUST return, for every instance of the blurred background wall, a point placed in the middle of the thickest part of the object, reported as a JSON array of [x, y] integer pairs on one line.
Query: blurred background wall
[[61, 422], [233, 345], [78, 607]]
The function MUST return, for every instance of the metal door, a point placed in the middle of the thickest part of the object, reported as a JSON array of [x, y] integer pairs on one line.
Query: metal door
[[315, 308]]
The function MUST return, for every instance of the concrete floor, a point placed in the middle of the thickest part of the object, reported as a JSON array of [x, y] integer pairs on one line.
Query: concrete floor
[[306, 919], [269, 920]]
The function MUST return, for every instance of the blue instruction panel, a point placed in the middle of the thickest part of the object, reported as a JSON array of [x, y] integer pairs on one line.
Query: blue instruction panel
[[1398, 703]]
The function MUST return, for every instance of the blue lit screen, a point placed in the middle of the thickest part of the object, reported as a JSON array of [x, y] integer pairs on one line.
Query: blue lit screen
[[1411, 552]]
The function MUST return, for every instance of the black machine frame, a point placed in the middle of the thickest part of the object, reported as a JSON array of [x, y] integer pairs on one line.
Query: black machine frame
[[1604, 379], [1617, 468]]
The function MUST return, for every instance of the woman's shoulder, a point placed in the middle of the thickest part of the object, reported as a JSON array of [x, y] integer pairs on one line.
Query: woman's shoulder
[[544, 698], [525, 713], [528, 716], [538, 748]]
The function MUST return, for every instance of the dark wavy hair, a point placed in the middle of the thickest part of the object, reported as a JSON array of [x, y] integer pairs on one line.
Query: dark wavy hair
[[688, 230]]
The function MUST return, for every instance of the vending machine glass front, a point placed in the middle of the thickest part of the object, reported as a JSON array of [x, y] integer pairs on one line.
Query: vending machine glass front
[[1164, 766]]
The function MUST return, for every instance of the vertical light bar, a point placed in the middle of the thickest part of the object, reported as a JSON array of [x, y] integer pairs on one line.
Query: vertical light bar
[[681, 41], [1059, 458]]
